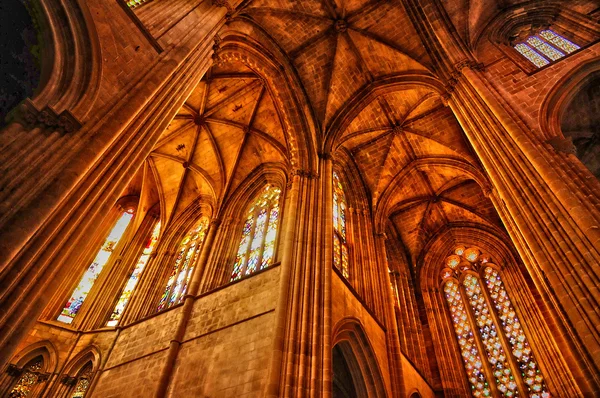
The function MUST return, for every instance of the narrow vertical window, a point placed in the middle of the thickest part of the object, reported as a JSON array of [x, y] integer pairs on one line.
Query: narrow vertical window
[[546, 47], [87, 281], [259, 233], [187, 255], [28, 379], [83, 381], [475, 293], [340, 246], [134, 277]]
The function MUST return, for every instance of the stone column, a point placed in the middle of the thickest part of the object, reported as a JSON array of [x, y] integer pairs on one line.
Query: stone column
[[68, 180], [301, 350], [551, 215]]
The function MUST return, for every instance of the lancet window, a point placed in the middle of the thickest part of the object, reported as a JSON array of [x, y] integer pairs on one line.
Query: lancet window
[[497, 356], [30, 376], [545, 47], [134, 277], [340, 245], [84, 378], [78, 296], [257, 246], [187, 255]]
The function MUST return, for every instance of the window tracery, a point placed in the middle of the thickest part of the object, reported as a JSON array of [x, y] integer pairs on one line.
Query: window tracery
[[78, 296], [83, 381], [188, 253], [28, 379], [545, 47], [134, 277], [486, 325], [257, 246], [340, 245]]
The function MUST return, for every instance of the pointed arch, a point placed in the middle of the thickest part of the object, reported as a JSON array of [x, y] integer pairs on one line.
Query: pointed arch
[[352, 342]]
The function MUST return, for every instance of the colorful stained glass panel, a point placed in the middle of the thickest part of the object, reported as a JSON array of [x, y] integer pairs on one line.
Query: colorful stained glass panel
[[134, 277], [87, 281], [466, 340], [546, 49], [559, 41], [531, 55]]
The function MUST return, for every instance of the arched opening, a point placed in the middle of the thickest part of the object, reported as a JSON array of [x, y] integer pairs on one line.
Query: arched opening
[[581, 122], [356, 373], [21, 69], [347, 378], [346, 384]]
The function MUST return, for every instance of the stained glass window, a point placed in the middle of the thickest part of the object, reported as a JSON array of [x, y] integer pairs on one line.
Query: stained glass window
[[183, 267], [134, 277], [87, 281], [83, 381], [545, 48], [340, 245], [559, 41], [259, 233], [483, 316], [28, 379]]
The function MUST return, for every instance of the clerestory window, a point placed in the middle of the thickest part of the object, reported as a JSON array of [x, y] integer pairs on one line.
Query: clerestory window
[[545, 47], [257, 246], [497, 356]]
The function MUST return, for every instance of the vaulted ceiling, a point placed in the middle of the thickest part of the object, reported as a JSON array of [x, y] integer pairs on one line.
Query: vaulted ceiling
[[338, 47], [226, 129], [411, 154]]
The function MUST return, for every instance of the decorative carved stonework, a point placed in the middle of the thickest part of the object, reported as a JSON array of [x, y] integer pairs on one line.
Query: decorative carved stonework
[[68, 380], [14, 371], [563, 145], [28, 115]]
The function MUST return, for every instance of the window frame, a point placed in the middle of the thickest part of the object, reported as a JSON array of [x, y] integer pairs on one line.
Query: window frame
[[463, 269], [242, 274]]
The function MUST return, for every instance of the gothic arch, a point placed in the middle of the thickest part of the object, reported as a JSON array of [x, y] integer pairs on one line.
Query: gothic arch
[[72, 65], [349, 336], [44, 348], [90, 353], [300, 130], [561, 94], [520, 289]]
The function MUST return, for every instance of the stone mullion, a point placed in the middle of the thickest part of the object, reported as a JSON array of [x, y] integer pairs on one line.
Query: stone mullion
[[548, 355], [488, 371], [506, 346], [86, 198], [389, 318], [443, 335], [112, 281], [513, 179]]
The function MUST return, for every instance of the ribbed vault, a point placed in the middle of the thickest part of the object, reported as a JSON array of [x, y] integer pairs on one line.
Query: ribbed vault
[[228, 127]]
